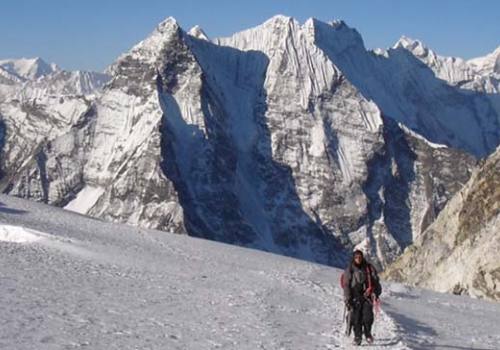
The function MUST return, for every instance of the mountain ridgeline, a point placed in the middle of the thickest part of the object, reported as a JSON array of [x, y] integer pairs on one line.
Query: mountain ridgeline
[[288, 138]]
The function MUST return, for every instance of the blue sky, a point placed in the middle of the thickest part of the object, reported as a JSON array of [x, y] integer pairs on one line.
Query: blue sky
[[90, 34]]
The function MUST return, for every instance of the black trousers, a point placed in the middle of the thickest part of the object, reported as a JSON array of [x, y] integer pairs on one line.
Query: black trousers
[[362, 317]]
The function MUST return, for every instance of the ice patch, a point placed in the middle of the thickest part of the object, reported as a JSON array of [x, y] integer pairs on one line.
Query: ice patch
[[18, 234], [85, 199]]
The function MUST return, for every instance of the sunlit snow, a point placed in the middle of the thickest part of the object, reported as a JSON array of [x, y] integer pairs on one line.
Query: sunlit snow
[[99, 285]]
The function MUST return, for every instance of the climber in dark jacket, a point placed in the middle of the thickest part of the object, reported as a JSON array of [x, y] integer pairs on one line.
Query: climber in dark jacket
[[361, 289]]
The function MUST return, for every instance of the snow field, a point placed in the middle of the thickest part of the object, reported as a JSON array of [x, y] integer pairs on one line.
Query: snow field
[[98, 285]]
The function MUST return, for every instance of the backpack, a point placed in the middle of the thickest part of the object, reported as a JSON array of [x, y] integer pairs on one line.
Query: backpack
[[374, 285]]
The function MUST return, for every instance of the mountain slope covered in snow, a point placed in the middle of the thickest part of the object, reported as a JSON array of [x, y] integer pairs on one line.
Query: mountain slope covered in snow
[[480, 74], [288, 138], [72, 281]]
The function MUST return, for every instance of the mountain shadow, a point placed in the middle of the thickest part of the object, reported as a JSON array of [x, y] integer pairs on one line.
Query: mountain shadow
[[387, 187], [229, 185]]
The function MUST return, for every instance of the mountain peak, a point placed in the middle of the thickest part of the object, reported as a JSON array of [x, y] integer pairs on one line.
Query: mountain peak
[[337, 36], [280, 19], [313, 22], [149, 48], [198, 33], [167, 23], [413, 45], [28, 68], [165, 28], [337, 23]]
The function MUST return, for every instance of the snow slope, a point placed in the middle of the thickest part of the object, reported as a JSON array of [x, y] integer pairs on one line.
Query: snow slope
[[87, 283], [480, 74]]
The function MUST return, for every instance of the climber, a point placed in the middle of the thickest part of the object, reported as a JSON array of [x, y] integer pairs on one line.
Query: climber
[[361, 290]]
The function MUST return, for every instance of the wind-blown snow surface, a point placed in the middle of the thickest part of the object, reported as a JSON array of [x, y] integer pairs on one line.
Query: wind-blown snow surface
[[87, 283]]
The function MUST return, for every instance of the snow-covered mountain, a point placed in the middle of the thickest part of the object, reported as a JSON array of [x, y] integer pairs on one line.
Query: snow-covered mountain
[[38, 102], [69, 281], [489, 64], [408, 91], [286, 137], [459, 252], [454, 70], [30, 78], [28, 68], [69, 83], [480, 74]]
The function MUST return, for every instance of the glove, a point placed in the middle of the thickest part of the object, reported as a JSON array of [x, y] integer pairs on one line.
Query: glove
[[348, 305]]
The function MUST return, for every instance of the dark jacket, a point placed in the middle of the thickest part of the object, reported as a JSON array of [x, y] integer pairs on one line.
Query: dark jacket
[[361, 281]]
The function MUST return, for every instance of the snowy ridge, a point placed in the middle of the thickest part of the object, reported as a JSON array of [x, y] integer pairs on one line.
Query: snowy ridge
[[70, 83], [8, 77], [391, 81], [479, 74], [149, 49], [28, 68], [420, 137], [488, 64], [198, 33], [101, 285], [451, 69]]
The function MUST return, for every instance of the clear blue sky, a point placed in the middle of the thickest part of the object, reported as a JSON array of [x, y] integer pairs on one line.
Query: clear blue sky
[[90, 34]]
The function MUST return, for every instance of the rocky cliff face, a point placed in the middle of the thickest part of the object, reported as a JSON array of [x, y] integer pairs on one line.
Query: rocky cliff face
[[39, 103], [459, 252], [286, 137]]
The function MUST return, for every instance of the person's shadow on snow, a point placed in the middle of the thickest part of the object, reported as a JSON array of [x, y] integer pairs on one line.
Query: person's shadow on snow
[[424, 333], [7, 210]]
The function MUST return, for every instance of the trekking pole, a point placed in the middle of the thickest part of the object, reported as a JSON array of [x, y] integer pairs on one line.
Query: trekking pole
[[348, 324], [344, 318], [376, 307]]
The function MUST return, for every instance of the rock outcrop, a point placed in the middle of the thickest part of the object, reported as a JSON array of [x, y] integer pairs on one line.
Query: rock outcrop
[[458, 253]]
